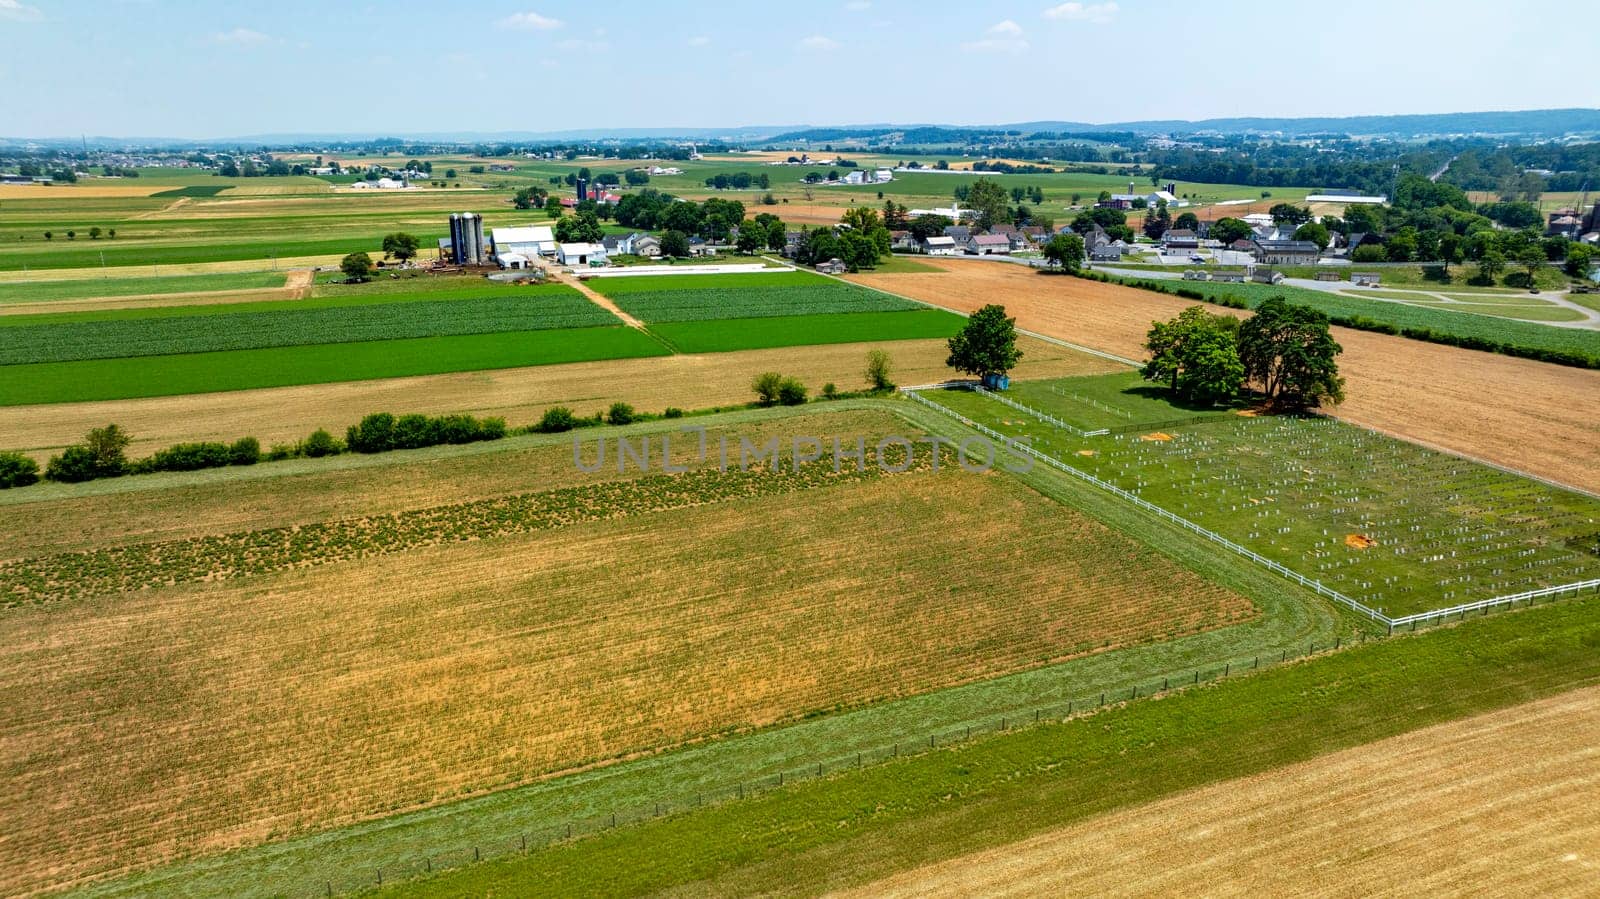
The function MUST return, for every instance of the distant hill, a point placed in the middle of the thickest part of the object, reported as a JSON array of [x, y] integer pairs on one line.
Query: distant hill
[[1533, 123]]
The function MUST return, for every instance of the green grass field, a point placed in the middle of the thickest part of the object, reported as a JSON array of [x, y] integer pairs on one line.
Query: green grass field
[[1300, 491], [724, 335], [860, 825], [724, 303], [91, 288], [108, 379]]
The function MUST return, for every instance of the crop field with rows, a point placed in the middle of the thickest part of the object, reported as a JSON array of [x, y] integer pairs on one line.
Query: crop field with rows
[[200, 329], [222, 690], [725, 335], [79, 288], [1393, 525], [701, 297], [106, 379]]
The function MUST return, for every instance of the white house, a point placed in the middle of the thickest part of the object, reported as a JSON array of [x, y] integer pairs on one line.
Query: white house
[[883, 176], [581, 254], [531, 241], [941, 246]]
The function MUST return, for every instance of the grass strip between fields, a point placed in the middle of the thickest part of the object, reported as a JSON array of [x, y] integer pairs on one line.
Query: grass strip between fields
[[109, 379], [861, 825]]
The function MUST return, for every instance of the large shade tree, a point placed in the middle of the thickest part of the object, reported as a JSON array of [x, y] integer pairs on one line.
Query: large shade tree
[[986, 345], [1290, 355], [1197, 356]]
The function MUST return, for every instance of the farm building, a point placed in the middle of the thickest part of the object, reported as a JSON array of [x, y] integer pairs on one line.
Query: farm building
[[834, 266], [988, 244], [531, 241], [1365, 279], [1327, 276], [902, 240], [1267, 276], [1286, 252], [1109, 252], [1229, 277], [1341, 197], [940, 246], [581, 254]]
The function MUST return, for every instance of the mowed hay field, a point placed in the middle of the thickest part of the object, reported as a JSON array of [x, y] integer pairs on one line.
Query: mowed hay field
[[1501, 804], [187, 719], [520, 395], [1532, 416]]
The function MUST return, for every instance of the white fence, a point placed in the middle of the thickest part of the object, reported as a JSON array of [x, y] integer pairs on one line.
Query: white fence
[[1042, 416], [1528, 597]]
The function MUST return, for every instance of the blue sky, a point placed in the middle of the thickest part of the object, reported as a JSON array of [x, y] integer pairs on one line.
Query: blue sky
[[187, 68]]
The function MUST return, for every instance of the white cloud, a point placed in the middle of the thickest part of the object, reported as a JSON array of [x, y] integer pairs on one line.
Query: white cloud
[[17, 11], [1004, 36], [700, 40], [242, 37], [818, 42], [529, 21], [1098, 13]]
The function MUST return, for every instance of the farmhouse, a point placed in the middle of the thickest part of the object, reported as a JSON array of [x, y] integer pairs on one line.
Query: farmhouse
[[904, 241], [940, 246], [1181, 239], [1108, 252], [1286, 252], [531, 242], [834, 266]]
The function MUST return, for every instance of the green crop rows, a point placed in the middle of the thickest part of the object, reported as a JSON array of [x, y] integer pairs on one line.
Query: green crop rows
[[723, 335], [1308, 493], [621, 287], [123, 569], [178, 332], [106, 379], [732, 302]]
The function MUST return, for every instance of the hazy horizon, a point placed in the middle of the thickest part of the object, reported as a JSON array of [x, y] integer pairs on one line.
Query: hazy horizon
[[187, 70]]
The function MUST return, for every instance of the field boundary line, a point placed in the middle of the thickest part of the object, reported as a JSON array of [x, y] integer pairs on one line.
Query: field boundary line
[[1044, 417]]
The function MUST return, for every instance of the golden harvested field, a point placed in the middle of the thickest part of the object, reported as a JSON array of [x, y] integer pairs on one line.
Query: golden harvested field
[[1529, 415], [1499, 805], [284, 414], [181, 720], [85, 190], [147, 509], [155, 271]]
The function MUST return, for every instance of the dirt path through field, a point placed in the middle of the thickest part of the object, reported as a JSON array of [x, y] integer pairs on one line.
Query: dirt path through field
[[300, 282], [604, 302], [1527, 415], [1497, 805]]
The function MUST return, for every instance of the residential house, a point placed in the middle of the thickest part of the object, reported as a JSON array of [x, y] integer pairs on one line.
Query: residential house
[[647, 245], [903, 241], [1108, 252], [988, 245], [1180, 240], [942, 245], [834, 266], [959, 233]]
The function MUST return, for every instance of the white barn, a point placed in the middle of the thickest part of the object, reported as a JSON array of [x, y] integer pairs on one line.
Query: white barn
[[581, 254], [531, 241]]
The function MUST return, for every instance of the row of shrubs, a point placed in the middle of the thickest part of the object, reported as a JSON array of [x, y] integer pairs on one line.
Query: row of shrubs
[[102, 454], [1571, 358]]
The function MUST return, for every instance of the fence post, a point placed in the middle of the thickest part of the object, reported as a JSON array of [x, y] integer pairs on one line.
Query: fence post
[[476, 856], [380, 877], [1227, 669], [524, 842], [427, 864]]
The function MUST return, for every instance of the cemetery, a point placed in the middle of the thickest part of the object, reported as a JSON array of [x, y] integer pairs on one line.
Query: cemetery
[[1392, 525]]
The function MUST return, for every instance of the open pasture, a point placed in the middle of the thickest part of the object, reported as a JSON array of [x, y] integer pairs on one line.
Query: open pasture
[[193, 717], [1390, 524]]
